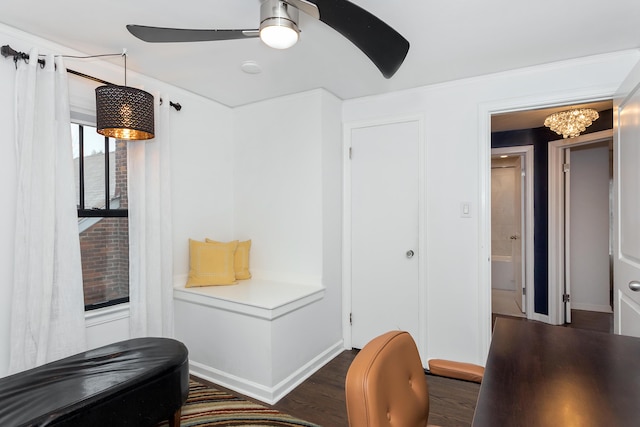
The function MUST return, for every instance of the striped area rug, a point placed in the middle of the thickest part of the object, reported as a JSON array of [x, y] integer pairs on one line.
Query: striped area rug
[[207, 406]]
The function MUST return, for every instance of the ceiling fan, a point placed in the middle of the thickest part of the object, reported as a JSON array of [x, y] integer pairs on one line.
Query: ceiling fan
[[279, 29]]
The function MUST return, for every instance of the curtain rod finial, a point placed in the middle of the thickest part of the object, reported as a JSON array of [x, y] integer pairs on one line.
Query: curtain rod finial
[[6, 50]]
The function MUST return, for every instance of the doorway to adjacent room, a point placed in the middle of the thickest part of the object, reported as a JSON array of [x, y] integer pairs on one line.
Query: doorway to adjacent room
[[511, 230]]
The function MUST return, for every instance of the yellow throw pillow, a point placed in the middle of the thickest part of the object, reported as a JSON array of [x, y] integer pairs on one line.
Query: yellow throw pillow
[[211, 263], [241, 259]]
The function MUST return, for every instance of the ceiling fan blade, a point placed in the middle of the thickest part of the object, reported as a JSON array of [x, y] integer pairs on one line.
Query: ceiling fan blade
[[168, 35], [385, 47], [306, 7]]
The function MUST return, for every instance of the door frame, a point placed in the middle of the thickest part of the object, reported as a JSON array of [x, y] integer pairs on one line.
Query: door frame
[[485, 111], [527, 236], [557, 232], [348, 127]]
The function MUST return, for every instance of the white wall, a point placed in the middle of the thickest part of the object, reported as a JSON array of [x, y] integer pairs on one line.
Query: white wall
[[458, 278], [590, 282], [330, 312], [201, 175], [278, 184], [288, 200]]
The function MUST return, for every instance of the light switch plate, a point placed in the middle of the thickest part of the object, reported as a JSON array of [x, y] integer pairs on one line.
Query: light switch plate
[[465, 209]]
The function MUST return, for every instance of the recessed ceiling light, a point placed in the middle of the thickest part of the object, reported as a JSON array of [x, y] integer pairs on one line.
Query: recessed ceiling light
[[504, 156], [250, 67]]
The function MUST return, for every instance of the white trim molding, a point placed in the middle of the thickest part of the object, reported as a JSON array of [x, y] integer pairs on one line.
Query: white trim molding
[[107, 314], [262, 392]]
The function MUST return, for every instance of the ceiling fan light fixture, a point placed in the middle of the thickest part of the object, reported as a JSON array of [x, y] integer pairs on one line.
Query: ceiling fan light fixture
[[278, 24], [279, 36]]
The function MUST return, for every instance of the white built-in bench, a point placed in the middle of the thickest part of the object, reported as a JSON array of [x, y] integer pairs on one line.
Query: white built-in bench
[[267, 299], [256, 337]]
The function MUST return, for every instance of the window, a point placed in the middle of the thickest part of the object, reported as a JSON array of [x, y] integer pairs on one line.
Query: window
[[101, 197]]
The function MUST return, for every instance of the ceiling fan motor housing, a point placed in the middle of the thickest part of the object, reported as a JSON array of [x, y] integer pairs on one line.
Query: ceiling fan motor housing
[[278, 13]]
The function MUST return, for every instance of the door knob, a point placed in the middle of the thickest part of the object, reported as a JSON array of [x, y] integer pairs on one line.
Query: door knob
[[514, 237], [634, 286], [410, 254]]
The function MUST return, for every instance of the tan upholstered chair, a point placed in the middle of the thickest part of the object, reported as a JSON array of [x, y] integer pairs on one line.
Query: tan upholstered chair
[[386, 384]]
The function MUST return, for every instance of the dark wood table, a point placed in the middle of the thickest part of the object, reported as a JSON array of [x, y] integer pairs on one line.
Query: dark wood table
[[542, 375]]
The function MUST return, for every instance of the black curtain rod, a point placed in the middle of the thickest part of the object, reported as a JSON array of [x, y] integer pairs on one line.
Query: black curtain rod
[[7, 51]]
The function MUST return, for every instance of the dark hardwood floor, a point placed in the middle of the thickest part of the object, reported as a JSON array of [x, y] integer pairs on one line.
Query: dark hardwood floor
[[591, 320], [320, 399], [580, 319]]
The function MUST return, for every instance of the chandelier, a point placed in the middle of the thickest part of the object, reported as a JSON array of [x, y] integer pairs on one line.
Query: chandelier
[[571, 123]]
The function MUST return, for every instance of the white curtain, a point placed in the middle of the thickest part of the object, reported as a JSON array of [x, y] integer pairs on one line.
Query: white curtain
[[47, 309], [150, 236]]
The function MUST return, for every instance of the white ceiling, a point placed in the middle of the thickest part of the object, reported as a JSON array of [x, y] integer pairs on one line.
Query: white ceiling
[[449, 40]]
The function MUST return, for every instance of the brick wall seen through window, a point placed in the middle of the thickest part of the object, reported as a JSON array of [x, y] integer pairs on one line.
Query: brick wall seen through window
[[101, 189]]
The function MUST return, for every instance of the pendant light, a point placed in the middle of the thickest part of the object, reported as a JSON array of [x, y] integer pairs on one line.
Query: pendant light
[[124, 112]]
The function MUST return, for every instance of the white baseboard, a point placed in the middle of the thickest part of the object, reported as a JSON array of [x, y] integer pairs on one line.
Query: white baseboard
[[264, 392], [591, 307]]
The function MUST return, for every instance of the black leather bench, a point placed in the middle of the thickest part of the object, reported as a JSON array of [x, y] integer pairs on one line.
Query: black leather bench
[[138, 382]]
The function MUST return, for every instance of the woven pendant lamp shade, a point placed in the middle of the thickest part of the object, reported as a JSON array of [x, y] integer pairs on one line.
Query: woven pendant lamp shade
[[124, 112]]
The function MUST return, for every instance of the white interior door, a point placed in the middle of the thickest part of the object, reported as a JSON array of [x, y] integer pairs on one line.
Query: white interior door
[[627, 207], [567, 236], [518, 242], [590, 228], [384, 230], [562, 169]]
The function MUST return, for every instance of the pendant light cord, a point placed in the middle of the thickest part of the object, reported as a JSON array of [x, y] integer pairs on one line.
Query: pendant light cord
[[124, 53]]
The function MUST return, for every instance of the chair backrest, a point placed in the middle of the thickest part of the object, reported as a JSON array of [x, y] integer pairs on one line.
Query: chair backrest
[[386, 384]]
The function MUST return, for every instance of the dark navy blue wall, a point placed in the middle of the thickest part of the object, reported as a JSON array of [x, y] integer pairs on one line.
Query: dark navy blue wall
[[539, 138]]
